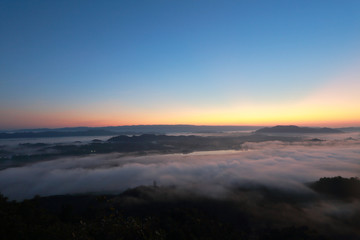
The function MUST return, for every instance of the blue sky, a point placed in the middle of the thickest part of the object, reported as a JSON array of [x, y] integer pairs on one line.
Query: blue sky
[[134, 56]]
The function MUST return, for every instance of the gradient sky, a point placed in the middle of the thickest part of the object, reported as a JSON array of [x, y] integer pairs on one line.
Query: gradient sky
[[98, 63]]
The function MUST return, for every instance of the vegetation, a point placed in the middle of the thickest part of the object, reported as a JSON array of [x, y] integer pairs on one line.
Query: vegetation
[[339, 187], [168, 213]]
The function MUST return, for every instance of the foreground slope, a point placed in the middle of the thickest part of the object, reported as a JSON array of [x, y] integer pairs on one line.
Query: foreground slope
[[152, 212]]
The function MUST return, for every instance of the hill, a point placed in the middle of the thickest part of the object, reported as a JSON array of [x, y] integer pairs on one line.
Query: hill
[[116, 130], [160, 212], [296, 129]]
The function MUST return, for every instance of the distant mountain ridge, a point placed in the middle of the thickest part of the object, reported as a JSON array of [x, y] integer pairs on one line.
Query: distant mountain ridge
[[296, 129], [145, 128], [116, 130], [160, 129], [349, 129], [51, 134]]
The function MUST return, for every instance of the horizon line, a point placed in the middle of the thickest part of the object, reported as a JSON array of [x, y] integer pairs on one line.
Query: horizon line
[[195, 125]]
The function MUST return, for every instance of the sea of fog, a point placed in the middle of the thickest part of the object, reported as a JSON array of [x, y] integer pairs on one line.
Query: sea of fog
[[87, 139], [274, 164]]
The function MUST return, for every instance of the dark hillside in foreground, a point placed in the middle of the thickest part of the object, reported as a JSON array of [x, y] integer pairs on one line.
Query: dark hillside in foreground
[[152, 212], [296, 129], [338, 187]]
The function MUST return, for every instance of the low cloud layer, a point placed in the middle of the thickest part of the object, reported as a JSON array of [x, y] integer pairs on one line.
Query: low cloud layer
[[274, 164]]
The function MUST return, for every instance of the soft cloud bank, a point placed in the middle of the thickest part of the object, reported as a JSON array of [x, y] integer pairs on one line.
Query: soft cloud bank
[[274, 164]]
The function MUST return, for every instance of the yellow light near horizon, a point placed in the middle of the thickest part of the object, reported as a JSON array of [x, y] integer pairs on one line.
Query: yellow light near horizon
[[255, 115], [301, 114], [335, 105]]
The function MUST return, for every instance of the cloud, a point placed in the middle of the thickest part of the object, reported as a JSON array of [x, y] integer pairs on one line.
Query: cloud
[[280, 166], [274, 164]]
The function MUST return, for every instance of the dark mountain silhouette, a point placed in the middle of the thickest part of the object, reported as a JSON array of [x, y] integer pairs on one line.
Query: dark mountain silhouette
[[350, 129], [145, 128], [136, 144], [157, 129], [116, 130], [296, 129], [45, 134]]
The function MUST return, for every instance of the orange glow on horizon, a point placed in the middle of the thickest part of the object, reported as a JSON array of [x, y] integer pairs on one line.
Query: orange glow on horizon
[[200, 119], [303, 114], [336, 105]]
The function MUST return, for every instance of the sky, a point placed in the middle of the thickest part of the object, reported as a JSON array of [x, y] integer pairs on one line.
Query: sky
[[249, 62]]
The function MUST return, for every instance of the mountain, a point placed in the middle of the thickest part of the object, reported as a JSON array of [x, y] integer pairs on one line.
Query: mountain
[[46, 134], [116, 130], [296, 129], [350, 129]]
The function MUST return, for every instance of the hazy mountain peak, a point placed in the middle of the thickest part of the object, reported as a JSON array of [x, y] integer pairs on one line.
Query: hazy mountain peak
[[296, 129]]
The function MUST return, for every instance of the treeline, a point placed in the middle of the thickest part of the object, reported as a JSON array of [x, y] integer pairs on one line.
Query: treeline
[[100, 218], [339, 187]]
